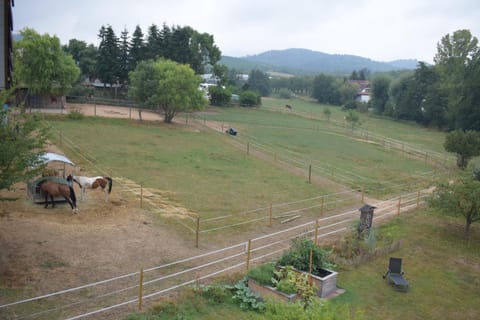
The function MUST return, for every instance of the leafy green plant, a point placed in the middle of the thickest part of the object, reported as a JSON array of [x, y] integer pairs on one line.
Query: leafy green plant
[[262, 274], [215, 293], [298, 256], [246, 298], [75, 115], [284, 280]]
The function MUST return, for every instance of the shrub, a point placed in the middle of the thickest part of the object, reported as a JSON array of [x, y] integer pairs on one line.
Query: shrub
[[249, 98], [285, 93], [263, 274], [75, 115], [298, 256], [219, 96]]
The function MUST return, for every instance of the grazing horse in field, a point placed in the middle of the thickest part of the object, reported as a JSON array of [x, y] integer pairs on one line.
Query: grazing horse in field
[[55, 189], [93, 183]]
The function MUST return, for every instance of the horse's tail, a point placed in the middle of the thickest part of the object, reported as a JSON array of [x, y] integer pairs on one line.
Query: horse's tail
[[110, 183], [75, 180], [73, 197]]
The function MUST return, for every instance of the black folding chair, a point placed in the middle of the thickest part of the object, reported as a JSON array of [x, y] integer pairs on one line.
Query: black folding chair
[[394, 275]]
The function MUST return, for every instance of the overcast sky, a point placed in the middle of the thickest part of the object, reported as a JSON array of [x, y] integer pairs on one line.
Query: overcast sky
[[382, 30]]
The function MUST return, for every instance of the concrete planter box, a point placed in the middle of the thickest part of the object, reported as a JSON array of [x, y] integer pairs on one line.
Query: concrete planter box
[[326, 283], [267, 291]]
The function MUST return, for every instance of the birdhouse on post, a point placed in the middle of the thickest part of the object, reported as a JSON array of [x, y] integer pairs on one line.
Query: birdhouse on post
[[366, 217]]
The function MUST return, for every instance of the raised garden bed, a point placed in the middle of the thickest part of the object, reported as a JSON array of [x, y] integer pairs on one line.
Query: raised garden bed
[[271, 292]]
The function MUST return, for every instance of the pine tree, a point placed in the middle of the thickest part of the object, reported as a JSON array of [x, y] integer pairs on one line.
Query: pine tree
[[137, 48], [108, 66], [124, 64]]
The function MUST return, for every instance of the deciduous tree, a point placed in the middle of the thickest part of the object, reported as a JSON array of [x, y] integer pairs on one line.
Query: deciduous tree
[[460, 197], [22, 141], [466, 144], [42, 66], [166, 86]]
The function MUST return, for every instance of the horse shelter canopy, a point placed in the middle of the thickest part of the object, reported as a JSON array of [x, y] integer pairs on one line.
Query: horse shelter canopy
[[50, 156]]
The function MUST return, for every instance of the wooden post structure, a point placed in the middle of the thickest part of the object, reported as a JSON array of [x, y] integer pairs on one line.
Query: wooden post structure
[[95, 110], [270, 215], [141, 196], [140, 290], [398, 205], [310, 174], [197, 232], [130, 113], [321, 208], [316, 232], [249, 245], [248, 147], [418, 198]]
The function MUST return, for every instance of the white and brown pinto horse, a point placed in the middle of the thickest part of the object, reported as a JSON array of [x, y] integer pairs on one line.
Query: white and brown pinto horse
[[92, 183]]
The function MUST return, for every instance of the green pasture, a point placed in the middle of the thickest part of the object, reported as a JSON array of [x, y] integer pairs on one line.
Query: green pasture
[[193, 168], [443, 272], [408, 132], [332, 152]]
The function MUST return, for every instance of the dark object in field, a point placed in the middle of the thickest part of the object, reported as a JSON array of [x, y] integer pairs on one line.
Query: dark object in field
[[394, 275], [231, 131]]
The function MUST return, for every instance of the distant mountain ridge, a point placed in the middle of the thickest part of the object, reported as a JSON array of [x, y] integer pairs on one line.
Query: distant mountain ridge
[[305, 61]]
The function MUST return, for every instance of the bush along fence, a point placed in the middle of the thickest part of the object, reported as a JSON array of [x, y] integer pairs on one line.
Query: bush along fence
[[134, 291]]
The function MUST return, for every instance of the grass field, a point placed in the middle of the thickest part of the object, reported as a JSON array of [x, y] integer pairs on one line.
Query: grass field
[[189, 165], [332, 150]]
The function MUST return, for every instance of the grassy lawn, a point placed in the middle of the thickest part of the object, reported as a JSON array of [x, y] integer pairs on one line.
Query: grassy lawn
[[331, 151], [189, 165], [408, 132], [443, 272]]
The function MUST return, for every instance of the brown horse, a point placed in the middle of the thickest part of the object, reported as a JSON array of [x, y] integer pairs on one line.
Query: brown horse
[[55, 189]]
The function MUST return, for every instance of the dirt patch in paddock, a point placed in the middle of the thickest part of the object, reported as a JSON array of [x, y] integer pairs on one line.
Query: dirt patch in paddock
[[43, 250]]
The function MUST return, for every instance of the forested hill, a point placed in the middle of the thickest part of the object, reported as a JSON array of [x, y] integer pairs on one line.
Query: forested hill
[[304, 61]]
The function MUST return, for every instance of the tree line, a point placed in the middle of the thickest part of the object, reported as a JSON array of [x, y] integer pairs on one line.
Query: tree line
[[116, 56]]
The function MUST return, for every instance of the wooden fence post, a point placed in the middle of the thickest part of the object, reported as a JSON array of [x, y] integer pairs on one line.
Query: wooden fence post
[[321, 208], [399, 204], [197, 232], [140, 290], [316, 232], [130, 113], [418, 198], [310, 174], [141, 196], [95, 110], [270, 215], [248, 147], [249, 245]]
